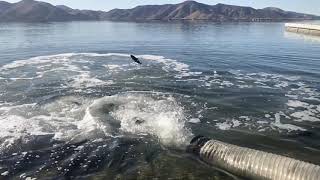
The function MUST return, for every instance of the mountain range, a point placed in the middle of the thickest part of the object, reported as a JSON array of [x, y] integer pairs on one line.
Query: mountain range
[[37, 11]]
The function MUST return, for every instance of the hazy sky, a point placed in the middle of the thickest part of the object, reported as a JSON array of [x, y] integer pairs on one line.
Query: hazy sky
[[307, 6]]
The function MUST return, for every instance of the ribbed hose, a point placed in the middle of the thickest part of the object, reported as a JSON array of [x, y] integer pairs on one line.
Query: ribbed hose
[[251, 163]]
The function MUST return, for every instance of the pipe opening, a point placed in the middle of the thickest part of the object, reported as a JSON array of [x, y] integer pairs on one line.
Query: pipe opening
[[238, 160], [196, 144]]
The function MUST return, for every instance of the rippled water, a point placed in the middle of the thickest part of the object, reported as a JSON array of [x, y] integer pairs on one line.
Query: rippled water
[[73, 104]]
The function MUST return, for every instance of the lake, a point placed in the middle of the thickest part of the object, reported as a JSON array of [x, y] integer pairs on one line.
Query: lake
[[74, 105]]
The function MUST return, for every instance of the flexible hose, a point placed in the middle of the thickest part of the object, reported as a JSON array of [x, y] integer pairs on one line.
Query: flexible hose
[[251, 163]]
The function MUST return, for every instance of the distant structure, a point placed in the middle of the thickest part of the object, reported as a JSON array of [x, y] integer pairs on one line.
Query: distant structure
[[310, 29]]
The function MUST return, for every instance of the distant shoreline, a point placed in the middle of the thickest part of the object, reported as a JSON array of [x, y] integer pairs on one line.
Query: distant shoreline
[[37, 11], [159, 21]]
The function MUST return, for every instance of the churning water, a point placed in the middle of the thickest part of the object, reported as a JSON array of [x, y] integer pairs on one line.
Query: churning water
[[73, 104]]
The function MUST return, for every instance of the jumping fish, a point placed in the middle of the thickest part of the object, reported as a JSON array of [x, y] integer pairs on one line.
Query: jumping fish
[[135, 59]]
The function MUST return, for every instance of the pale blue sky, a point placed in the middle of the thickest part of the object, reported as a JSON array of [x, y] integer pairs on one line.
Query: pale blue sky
[[306, 6]]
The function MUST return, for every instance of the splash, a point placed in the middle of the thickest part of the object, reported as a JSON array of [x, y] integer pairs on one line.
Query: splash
[[75, 119], [139, 114]]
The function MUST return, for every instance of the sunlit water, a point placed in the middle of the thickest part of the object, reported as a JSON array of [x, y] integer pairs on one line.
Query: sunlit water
[[73, 104]]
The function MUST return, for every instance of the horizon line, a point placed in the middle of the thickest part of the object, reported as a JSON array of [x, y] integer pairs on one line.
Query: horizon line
[[106, 10]]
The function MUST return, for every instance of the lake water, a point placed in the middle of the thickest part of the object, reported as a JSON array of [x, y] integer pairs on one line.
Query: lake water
[[73, 104]]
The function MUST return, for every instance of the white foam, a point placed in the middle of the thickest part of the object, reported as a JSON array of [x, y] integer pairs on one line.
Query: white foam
[[288, 127], [312, 98], [262, 122], [244, 86], [282, 84], [138, 114], [93, 120], [296, 103], [262, 80], [306, 115], [226, 83], [35, 61], [85, 80], [8, 107], [163, 118], [227, 125], [6, 173], [292, 96], [224, 126], [80, 75], [30, 178], [15, 127], [267, 115], [235, 123], [194, 120], [57, 119], [112, 66], [195, 73], [301, 96], [247, 118], [169, 64], [103, 55]]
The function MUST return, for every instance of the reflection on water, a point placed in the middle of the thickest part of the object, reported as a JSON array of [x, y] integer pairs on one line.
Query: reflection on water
[[304, 37]]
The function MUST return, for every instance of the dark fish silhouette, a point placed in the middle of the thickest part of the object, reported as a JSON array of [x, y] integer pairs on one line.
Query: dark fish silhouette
[[138, 121], [135, 59]]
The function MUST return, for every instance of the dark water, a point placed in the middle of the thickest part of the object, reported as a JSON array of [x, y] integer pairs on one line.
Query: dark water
[[73, 104]]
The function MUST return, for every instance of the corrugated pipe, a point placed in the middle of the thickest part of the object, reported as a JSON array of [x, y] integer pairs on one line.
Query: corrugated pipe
[[251, 163]]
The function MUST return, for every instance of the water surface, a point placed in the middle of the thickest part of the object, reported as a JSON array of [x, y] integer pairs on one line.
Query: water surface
[[73, 104]]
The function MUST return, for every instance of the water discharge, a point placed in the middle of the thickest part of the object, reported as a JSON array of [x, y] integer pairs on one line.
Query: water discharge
[[74, 118], [138, 114], [69, 105], [69, 108]]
